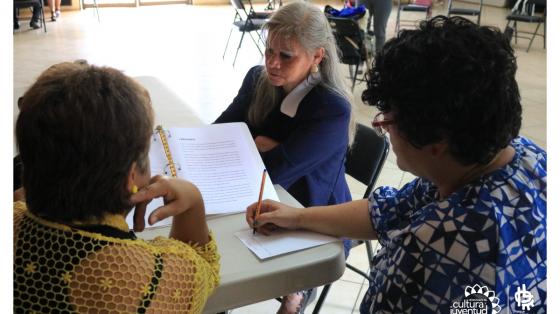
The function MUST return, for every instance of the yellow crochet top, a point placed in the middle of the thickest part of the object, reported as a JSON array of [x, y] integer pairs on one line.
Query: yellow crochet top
[[103, 268]]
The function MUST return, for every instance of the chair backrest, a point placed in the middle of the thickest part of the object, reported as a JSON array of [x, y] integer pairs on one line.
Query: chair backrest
[[427, 3], [527, 7], [251, 14], [349, 39], [423, 3], [365, 159], [538, 2], [537, 5], [450, 5]]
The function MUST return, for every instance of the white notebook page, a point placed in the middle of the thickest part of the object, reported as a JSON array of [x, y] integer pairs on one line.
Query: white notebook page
[[220, 159], [282, 241]]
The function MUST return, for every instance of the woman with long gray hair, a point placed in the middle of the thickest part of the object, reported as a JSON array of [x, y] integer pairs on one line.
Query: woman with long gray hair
[[298, 109]]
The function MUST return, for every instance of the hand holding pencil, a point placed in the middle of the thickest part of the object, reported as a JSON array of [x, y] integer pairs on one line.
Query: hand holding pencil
[[272, 216], [259, 203]]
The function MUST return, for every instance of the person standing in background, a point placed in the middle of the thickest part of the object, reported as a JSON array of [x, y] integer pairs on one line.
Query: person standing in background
[[379, 12], [55, 9]]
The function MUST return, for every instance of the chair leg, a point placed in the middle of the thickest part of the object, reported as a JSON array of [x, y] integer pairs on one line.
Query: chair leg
[[256, 43], [96, 11], [321, 299], [357, 271], [227, 43], [44, 23], [43, 18], [515, 30], [238, 47], [398, 23], [355, 76], [261, 38], [370, 253], [533, 37]]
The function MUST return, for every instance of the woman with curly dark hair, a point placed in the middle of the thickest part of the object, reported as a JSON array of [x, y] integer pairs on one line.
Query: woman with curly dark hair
[[470, 231]]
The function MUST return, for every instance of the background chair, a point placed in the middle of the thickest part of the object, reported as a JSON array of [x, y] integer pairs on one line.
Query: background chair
[[414, 6], [95, 6], [259, 14], [350, 41], [524, 12], [246, 22], [272, 5], [20, 4], [452, 10], [364, 161]]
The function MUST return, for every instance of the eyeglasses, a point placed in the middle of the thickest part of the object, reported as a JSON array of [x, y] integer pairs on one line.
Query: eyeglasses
[[380, 124]]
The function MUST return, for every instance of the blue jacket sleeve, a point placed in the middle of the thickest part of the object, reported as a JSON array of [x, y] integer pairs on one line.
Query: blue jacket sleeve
[[237, 110], [322, 133]]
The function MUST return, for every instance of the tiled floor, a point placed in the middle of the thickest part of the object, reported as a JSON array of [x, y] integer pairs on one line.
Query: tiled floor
[[183, 46]]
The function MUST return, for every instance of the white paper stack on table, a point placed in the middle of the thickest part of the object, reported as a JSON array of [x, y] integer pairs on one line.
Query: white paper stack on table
[[220, 159]]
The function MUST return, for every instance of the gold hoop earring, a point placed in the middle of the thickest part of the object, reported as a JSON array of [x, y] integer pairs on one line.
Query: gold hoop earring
[[134, 189]]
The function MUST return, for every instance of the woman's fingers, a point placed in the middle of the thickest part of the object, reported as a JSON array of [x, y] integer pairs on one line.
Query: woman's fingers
[[168, 210], [267, 229], [142, 198], [269, 218], [178, 197], [139, 214], [151, 191], [266, 206], [273, 215]]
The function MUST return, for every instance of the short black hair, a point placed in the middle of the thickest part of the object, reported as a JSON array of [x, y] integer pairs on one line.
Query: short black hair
[[451, 80], [80, 129]]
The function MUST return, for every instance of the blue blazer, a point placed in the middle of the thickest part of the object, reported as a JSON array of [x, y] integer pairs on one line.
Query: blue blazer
[[309, 161]]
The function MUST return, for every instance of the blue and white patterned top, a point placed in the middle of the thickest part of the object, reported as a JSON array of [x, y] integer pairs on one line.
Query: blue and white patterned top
[[492, 233]]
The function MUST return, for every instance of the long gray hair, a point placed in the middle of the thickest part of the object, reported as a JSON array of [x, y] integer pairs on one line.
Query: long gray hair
[[306, 24]]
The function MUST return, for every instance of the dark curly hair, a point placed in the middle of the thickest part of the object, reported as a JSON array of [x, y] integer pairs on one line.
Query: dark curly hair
[[449, 80]]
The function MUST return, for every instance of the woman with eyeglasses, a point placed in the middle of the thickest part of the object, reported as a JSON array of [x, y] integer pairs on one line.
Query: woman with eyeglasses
[[474, 221]]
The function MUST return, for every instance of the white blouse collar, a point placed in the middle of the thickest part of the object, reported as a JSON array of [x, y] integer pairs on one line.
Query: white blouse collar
[[291, 102]]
